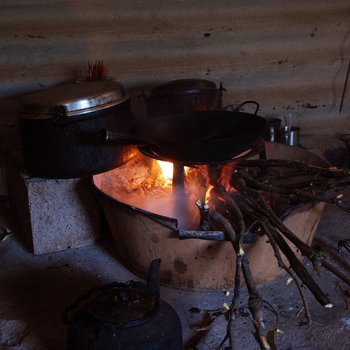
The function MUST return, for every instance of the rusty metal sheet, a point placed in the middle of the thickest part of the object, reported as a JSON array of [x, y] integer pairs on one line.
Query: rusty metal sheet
[[286, 55]]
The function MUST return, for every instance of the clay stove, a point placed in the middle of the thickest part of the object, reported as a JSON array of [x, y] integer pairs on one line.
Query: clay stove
[[146, 222]]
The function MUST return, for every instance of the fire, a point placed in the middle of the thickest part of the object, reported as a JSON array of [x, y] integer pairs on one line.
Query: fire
[[167, 171], [225, 176], [148, 184], [166, 175], [207, 194]]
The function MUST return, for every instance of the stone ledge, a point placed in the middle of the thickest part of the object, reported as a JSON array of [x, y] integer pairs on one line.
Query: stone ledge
[[54, 214]]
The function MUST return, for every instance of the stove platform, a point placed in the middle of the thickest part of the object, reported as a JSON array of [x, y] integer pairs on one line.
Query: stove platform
[[53, 214]]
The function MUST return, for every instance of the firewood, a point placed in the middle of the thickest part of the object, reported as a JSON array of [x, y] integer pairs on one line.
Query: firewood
[[265, 209], [275, 247]]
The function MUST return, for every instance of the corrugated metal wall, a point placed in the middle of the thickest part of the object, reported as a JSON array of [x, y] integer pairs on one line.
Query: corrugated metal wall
[[284, 54]]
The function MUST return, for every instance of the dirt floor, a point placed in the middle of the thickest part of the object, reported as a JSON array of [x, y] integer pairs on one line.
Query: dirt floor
[[35, 290]]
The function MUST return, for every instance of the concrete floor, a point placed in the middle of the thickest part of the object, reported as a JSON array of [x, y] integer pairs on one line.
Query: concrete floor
[[35, 290]]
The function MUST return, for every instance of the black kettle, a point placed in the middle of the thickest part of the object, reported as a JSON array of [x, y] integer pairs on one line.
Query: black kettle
[[121, 316]]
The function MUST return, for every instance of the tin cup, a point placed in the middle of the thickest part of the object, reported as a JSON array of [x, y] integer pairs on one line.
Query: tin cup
[[289, 135]]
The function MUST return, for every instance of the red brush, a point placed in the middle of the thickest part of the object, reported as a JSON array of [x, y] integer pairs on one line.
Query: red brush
[[96, 71]]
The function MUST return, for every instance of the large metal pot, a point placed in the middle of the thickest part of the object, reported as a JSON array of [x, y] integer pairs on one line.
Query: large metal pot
[[59, 129], [124, 316], [183, 95]]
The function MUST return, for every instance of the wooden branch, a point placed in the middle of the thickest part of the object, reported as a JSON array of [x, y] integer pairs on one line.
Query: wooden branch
[[294, 164], [234, 208], [306, 250], [265, 209], [231, 330], [255, 305], [228, 229], [255, 302], [267, 228], [309, 192], [298, 267]]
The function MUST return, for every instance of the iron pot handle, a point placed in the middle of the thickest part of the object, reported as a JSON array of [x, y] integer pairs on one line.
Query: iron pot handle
[[123, 138], [239, 107]]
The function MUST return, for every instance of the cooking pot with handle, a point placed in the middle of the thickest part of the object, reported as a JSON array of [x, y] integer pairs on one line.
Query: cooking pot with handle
[[183, 95], [59, 129]]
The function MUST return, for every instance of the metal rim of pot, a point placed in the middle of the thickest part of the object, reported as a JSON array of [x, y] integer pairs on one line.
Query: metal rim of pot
[[185, 86], [72, 100]]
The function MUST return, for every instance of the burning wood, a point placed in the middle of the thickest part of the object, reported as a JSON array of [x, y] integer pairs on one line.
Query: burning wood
[[242, 199], [255, 210]]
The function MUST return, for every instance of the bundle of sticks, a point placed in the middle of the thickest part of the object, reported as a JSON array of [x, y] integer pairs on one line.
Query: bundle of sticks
[[249, 207]]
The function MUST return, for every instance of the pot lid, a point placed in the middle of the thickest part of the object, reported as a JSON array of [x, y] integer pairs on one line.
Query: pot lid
[[73, 99], [184, 86], [124, 306]]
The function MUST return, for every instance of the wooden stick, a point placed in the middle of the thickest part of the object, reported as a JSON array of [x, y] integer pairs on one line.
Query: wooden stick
[[255, 305], [234, 209], [228, 229], [294, 164], [264, 208], [267, 228], [233, 307], [255, 302], [309, 193], [299, 268]]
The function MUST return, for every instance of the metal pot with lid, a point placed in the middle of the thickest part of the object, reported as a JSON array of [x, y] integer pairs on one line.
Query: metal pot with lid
[[183, 95], [124, 316], [59, 129]]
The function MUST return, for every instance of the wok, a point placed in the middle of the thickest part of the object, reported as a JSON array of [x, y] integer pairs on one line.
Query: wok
[[198, 137]]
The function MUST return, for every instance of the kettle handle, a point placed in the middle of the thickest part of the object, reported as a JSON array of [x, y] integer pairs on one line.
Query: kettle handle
[[153, 277], [69, 310]]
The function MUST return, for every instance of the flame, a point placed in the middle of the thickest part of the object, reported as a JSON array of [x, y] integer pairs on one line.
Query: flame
[[167, 171], [166, 175], [148, 184], [207, 194], [225, 176]]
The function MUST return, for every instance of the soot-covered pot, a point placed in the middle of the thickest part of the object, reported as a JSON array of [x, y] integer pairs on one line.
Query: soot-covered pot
[[60, 126], [124, 316], [183, 95]]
